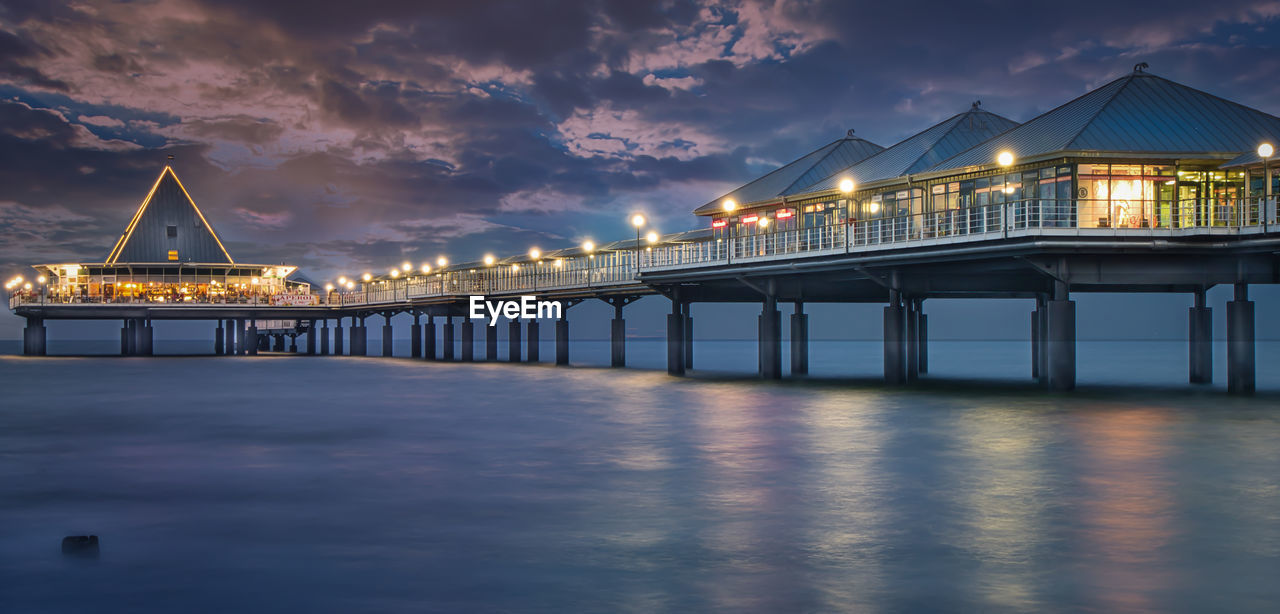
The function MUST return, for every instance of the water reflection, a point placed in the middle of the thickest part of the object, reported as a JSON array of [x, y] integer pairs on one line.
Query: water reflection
[[1125, 509], [1002, 494], [515, 488]]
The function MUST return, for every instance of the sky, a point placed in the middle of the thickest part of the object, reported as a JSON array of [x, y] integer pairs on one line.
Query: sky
[[346, 137]]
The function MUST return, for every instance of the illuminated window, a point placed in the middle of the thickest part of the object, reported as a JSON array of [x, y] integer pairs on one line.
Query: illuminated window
[[173, 254]]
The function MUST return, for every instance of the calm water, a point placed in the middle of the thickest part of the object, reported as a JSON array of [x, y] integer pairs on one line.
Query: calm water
[[372, 485]]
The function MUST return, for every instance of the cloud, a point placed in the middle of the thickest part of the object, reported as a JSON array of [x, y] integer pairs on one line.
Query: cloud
[[340, 133]]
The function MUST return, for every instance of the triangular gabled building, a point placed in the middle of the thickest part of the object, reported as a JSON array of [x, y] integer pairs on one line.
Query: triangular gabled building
[[169, 227], [169, 253]]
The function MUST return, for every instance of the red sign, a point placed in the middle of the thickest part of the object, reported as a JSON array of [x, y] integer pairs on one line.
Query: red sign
[[720, 223], [784, 213], [750, 219]]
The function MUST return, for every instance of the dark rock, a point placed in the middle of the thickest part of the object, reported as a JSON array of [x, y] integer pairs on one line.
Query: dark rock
[[80, 545]]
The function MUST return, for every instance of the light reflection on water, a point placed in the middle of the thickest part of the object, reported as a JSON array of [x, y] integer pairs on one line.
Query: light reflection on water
[[291, 484]]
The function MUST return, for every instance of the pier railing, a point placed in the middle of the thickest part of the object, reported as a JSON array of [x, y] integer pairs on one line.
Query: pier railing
[[627, 266]]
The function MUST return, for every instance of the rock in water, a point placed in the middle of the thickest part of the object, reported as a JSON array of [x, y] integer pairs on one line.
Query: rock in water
[[80, 545]]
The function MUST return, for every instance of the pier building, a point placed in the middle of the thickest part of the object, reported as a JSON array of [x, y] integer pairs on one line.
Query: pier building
[[1141, 185]]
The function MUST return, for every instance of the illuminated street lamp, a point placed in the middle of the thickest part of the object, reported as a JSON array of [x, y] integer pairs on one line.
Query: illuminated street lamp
[[729, 205], [652, 237], [1265, 151], [488, 260], [535, 254], [637, 220], [846, 185], [442, 262], [588, 246], [425, 268], [407, 266], [366, 277], [1004, 158]]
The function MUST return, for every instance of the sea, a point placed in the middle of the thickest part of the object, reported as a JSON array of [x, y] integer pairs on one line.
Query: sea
[[286, 483]]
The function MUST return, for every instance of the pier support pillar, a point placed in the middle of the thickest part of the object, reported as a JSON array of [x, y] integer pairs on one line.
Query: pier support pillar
[[415, 338], [1061, 346], [229, 348], [219, 337], [240, 337], [124, 339], [513, 341], [468, 340], [429, 339], [387, 336], [799, 341], [446, 338], [359, 344], [562, 340], [687, 337], [617, 337], [311, 337], [675, 339], [293, 343], [770, 342], [922, 331], [337, 337], [324, 337], [1039, 330], [34, 338], [251, 338], [146, 338], [278, 341], [1200, 359], [531, 344], [912, 337], [1240, 343], [490, 341], [895, 360]]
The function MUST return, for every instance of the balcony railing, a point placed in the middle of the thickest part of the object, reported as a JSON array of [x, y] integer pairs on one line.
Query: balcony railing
[[1031, 217]]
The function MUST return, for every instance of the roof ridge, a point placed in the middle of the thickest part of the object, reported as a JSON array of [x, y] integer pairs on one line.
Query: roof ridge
[[837, 144], [123, 242], [944, 134], [889, 148], [1116, 94], [1214, 96], [1022, 125], [780, 168]]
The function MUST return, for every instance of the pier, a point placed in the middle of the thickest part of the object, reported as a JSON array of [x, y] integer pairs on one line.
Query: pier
[[1143, 185]]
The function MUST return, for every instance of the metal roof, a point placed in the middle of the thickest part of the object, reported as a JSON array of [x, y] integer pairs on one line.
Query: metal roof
[[168, 210], [1140, 113], [1251, 158], [811, 167], [939, 142]]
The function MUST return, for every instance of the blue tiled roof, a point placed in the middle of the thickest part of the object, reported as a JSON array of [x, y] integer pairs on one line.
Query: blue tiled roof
[[937, 143], [819, 163], [1137, 113]]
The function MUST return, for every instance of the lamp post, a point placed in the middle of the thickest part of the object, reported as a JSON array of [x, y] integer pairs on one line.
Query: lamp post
[[1005, 160], [729, 205], [534, 255], [1265, 151], [587, 247], [637, 220]]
